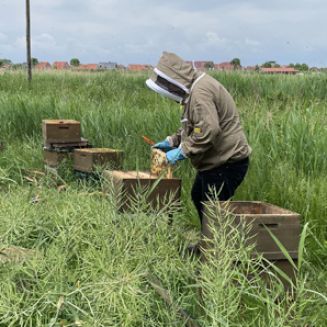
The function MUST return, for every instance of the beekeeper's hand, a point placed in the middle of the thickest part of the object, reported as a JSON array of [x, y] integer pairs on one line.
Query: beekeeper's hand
[[175, 155], [163, 145]]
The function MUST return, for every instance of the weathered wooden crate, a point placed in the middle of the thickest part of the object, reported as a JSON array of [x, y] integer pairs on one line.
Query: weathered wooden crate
[[87, 160], [129, 185], [69, 146], [263, 217], [61, 131], [53, 159]]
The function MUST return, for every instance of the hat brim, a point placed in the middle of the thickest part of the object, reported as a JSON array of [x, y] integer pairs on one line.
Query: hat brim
[[156, 88]]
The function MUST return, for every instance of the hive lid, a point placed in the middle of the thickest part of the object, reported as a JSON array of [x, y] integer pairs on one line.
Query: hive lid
[[99, 150], [135, 175], [255, 208], [59, 121]]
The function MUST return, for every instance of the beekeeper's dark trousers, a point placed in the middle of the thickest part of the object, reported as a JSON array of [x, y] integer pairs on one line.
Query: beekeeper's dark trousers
[[224, 180]]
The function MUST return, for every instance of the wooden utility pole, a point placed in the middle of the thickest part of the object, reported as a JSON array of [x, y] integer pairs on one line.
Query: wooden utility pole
[[28, 41]]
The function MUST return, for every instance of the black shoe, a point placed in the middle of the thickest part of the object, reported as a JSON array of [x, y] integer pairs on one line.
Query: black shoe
[[194, 250]]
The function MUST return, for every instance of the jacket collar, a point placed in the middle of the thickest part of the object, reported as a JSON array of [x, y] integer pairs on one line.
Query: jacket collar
[[198, 78]]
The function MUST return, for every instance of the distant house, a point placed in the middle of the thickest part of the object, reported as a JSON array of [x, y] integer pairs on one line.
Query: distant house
[[279, 70], [121, 67], [5, 67], [43, 65], [202, 65], [88, 67], [2, 70], [108, 65], [314, 69], [224, 66], [250, 68], [60, 65], [138, 67]]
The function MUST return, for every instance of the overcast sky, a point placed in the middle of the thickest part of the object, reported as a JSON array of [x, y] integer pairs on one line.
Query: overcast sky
[[127, 31]]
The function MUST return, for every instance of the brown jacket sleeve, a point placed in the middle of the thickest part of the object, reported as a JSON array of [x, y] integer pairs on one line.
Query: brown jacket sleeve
[[204, 125], [175, 139]]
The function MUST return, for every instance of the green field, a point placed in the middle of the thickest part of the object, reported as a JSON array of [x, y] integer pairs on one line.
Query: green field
[[91, 264]]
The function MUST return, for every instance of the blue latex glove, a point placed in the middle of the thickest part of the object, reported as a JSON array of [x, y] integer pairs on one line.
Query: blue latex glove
[[163, 145], [175, 155]]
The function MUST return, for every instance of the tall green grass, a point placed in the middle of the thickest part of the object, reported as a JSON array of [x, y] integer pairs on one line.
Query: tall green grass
[[93, 262], [284, 117], [91, 266]]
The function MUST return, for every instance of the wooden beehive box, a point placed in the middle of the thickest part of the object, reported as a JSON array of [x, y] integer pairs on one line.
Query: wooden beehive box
[[283, 223], [61, 131], [129, 185], [87, 160], [53, 158]]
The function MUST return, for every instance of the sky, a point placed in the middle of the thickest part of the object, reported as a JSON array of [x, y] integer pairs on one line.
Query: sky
[[126, 31]]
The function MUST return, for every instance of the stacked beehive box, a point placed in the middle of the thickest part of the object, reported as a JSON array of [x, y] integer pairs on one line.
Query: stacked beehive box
[[265, 219], [91, 160], [61, 138]]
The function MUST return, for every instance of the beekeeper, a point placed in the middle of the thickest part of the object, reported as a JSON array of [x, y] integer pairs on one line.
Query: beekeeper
[[211, 135]]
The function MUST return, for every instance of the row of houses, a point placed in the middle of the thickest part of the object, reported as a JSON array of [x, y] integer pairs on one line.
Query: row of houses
[[200, 65], [63, 65], [228, 66]]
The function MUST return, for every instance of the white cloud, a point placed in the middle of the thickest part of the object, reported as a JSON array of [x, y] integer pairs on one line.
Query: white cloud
[[214, 39], [44, 41], [251, 42]]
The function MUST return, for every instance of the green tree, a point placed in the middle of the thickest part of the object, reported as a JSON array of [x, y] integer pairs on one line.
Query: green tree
[[269, 64], [305, 67], [35, 61], [236, 62], [74, 62], [209, 65], [302, 67]]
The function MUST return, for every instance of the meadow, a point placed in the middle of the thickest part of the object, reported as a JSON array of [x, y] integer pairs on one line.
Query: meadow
[[91, 264]]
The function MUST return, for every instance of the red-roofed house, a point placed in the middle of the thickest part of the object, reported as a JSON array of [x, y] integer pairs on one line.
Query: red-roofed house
[[60, 65], [138, 67], [226, 66], [88, 67], [202, 65], [43, 65], [279, 70]]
